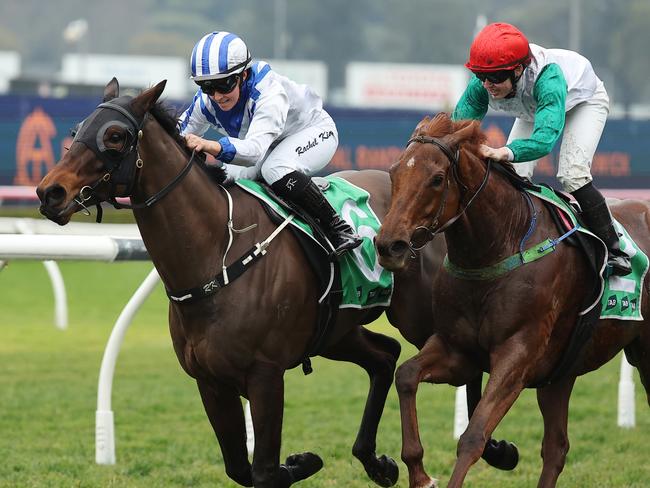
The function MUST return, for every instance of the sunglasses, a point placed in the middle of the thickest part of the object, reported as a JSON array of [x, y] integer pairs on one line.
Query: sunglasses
[[221, 85], [495, 77]]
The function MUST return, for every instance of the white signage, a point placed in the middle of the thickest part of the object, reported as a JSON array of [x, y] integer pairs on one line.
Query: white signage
[[416, 86], [9, 68], [312, 73], [133, 71]]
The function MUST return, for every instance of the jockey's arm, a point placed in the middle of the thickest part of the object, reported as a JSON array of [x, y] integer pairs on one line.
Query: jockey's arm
[[473, 104], [266, 126], [193, 120], [550, 93]]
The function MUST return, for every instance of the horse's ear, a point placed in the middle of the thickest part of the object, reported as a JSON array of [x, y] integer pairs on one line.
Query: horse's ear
[[112, 90], [468, 133], [146, 100], [425, 121]]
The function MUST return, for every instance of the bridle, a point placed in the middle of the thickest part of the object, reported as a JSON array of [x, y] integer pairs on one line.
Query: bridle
[[122, 166], [432, 230]]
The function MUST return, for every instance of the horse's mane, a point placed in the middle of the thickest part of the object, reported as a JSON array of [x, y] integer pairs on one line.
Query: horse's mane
[[167, 117], [442, 125]]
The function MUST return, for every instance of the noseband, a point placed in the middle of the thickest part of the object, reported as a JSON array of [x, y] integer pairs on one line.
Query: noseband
[[122, 165], [432, 230]]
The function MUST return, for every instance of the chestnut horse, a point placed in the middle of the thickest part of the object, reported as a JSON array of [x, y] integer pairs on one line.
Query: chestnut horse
[[514, 326], [240, 340]]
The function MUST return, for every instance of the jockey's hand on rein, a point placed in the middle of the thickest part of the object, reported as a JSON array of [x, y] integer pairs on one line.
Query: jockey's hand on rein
[[496, 154]]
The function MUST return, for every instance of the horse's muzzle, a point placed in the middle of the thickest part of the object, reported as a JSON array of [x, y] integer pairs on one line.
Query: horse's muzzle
[[53, 204], [393, 254]]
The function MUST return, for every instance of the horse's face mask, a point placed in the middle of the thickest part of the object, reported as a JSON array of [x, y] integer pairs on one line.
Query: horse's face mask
[[111, 132]]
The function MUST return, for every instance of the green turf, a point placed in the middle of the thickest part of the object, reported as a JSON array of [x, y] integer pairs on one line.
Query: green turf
[[48, 381]]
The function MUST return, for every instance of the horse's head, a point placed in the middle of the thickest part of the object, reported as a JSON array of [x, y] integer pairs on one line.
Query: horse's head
[[103, 158], [426, 189]]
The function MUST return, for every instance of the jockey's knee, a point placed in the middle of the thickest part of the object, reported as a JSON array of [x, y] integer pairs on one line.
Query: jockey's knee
[[270, 175], [273, 171], [572, 183]]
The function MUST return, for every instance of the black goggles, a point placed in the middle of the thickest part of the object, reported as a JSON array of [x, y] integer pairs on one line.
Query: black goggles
[[221, 85], [495, 77]]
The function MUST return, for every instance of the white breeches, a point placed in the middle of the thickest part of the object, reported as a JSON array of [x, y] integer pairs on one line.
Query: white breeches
[[307, 151], [582, 130]]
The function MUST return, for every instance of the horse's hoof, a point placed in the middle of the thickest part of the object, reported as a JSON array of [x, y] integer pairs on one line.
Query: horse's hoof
[[383, 471], [302, 466], [501, 454]]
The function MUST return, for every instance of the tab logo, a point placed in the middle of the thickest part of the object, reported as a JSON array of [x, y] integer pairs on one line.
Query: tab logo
[[625, 303], [611, 302]]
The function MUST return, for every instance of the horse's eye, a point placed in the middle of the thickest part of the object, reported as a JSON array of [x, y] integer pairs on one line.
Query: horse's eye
[[74, 130], [115, 137], [437, 180]]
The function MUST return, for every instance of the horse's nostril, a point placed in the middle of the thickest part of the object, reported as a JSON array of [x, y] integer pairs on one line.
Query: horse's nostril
[[53, 195], [392, 249], [382, 248], [398, 248]]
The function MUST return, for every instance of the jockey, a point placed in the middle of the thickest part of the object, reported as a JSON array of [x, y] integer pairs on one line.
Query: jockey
[[271, 128], [552, 93]]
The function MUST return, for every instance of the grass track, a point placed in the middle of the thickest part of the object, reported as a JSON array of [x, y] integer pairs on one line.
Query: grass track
[[48, 381]]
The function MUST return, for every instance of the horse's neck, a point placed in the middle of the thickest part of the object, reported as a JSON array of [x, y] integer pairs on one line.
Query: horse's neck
[[184, 232], [494, 223]]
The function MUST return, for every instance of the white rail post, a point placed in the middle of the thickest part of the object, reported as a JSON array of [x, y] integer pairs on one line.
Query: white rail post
[[104, 424], [626, 407], [250, 434], [56, 278], [461, 418]]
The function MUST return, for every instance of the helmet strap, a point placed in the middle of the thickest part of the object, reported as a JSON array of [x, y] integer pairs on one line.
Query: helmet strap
[[514, 80]]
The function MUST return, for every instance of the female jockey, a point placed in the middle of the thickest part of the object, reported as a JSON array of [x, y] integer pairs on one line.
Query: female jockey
[[552, 93], [270, 127]]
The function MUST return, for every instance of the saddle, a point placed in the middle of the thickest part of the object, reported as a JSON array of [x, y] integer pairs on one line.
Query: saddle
[[321, 263]]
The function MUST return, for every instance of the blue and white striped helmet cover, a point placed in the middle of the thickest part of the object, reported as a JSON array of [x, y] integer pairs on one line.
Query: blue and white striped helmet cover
[[219, 55]]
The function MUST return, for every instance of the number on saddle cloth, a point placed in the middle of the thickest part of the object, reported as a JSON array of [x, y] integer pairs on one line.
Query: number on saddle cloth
[[364, 282]]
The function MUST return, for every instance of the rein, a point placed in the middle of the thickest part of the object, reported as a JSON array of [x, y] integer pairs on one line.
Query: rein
[[152, 200], [233, 271], [524, 256], [126, 161], [433, 229]]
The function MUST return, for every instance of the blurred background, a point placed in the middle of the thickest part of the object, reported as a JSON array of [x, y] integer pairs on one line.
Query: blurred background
[[380, 65]]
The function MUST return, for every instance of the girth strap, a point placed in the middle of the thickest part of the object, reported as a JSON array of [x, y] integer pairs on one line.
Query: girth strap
[[229, 273]]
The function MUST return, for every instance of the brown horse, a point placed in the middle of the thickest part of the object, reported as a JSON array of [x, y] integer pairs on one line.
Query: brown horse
[[240, 340], [514, 326]]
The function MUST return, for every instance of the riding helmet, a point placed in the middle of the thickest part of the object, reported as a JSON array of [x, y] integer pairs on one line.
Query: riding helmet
[[219, 55], [498, 47]]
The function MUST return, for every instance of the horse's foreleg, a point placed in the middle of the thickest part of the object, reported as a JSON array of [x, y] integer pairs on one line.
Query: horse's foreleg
[[378, 355], [223, 407], [503, 388], [499, 454], [638, 355], [553, 401], [265, 388], [435, 363]]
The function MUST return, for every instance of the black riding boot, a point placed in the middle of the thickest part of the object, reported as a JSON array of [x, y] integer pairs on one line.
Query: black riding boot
[[599, 220], [300, 189]]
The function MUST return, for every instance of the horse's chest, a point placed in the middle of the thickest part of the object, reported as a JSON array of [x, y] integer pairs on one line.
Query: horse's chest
[[462, 317]]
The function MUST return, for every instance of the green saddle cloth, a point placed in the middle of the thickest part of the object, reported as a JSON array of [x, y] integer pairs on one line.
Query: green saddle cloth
[[365, 283], [621, 295]]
